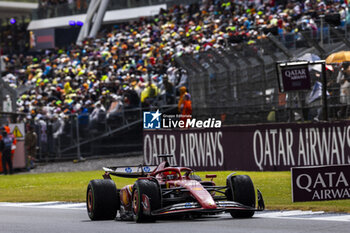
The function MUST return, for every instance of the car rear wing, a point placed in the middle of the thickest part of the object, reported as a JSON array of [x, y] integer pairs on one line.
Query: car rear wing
[[130, 171]]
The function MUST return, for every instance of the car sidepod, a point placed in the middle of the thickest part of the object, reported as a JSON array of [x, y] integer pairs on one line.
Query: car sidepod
[[203, 197]]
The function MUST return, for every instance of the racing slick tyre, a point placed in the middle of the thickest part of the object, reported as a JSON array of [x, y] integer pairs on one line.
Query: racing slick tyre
[[146, 197], [241, 189], [102, 199]]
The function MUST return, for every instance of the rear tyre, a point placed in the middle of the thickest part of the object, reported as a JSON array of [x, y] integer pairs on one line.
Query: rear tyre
[[241, 190], [102, 199], [145, 198]]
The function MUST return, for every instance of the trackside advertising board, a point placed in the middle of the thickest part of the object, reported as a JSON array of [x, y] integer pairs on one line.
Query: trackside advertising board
[[43, 39], [293, 76], [264, 147], [320, 183]]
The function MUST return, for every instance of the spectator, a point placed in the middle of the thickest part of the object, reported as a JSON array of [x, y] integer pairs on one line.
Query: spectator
[[186, 108], [71, 6], [131, 99], [149, 94], [313, 100], [83, 120], [115, 109], [344, 80], [14, 140], [183, 79], [30, 142], [43, 137], [167, 90], [97, 116], [183, 93], [57, 126], [5, 148]]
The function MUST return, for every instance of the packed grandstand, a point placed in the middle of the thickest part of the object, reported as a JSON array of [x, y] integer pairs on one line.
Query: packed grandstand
[[131, 64]]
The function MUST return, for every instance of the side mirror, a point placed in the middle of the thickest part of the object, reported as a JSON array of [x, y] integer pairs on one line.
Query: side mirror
[[210, 176]]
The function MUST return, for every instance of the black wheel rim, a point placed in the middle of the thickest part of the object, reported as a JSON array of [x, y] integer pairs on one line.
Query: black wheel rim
[[90, 201]]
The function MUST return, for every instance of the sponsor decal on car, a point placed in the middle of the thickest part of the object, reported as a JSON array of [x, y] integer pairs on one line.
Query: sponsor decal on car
[[128, 170], [188, 205], [146, 169]]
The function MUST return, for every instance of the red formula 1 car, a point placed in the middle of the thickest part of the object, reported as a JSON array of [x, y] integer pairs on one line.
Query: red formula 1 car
[[164, 190]]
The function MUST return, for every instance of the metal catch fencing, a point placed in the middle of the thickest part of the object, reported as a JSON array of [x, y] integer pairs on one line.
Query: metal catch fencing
[[81, 7], [238, 84], [78, 136]]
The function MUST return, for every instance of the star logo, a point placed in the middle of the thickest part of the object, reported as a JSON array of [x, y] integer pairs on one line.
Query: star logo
[[151, 120], [156, 115]]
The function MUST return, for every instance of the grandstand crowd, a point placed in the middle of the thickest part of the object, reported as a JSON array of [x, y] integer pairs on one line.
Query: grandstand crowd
[[133, 64], [14, 38]]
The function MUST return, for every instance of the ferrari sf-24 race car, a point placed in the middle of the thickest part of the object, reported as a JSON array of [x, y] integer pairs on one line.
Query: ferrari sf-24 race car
[[164, 190]]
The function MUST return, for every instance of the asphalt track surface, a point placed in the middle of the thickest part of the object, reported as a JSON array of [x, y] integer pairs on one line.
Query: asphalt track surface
[[29, 219]]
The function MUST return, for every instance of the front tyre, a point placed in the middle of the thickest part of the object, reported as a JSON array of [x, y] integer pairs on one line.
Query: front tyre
[[102, 200], [241, 190], [145, 198]]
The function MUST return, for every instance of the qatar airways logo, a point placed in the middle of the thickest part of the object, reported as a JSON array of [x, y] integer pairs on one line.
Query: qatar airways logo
[[157, 120], [319, 183], [296, 74]]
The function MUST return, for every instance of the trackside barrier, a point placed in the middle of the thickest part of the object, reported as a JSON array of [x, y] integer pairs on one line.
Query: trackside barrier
[[77, 136], [262, 147]]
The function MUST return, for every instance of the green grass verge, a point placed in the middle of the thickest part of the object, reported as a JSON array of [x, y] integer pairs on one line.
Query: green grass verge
[[71, 187]]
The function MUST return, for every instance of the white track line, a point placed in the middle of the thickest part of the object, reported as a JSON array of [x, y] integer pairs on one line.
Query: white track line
[[287, 213], [292, 214], [48, 205], [304, 215], [344, 218]]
